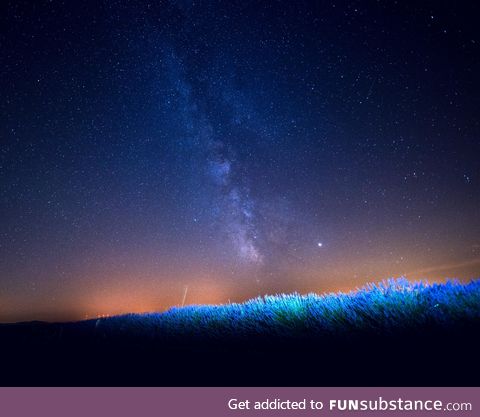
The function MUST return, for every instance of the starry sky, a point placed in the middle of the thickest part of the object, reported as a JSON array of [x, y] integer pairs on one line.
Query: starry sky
[[160, 153]]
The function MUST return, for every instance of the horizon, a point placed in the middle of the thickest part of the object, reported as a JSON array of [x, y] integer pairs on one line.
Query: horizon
[[75, 316]]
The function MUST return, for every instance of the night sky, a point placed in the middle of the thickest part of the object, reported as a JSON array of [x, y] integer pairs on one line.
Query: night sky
[[155, 153]]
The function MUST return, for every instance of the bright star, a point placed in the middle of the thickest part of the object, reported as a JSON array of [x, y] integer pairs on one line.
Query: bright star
[[320, 244]]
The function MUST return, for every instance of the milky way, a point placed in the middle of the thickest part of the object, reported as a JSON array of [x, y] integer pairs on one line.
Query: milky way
[[231, 206]]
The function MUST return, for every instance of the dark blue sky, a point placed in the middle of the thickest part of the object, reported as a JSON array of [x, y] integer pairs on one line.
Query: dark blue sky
[[233, 148]]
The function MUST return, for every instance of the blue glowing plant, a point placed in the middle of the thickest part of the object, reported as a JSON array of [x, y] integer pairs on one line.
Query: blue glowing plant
[[388, 307]]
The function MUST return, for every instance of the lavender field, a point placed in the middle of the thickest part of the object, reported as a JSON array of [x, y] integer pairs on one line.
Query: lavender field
[[393, 333]]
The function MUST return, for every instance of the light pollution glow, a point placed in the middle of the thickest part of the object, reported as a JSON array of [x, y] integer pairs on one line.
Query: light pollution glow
[[119, 294]]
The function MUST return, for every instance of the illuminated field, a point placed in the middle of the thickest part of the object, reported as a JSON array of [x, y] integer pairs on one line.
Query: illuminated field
[[394, 333], [386, 307]]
